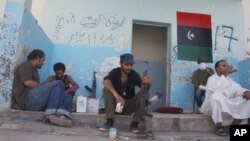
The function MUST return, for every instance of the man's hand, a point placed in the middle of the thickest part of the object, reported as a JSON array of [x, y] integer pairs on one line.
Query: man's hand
[[208, 71], [231, 69], [246, 95], [119, 99], [145, 79]]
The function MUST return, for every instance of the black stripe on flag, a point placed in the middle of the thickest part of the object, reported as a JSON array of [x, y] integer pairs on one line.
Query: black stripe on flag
[[193, 36]]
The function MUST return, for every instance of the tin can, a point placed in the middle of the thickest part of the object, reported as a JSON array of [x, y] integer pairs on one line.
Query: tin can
[[112, 133], [119, 107]]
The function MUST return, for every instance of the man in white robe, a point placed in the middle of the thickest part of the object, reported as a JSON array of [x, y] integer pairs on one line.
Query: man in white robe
[[225, 97]]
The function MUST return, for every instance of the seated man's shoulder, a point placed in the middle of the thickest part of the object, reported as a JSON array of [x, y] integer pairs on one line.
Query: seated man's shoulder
[[211, 69], [23, 64], [50, 78], [68, 77], [196, 71]]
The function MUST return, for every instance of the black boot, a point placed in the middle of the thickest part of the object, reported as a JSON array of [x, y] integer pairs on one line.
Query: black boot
[[107, 125], [134, 127]]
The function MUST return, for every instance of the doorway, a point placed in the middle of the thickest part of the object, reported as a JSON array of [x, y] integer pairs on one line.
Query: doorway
[[150, 49]]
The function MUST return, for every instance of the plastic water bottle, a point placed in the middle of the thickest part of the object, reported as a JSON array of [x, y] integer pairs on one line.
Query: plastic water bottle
[[112, 133], [119, 107]]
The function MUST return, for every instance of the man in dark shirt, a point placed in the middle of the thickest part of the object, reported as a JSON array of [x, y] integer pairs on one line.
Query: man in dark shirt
[[200, 77], [120, 88], [29, 94], [70, 84]]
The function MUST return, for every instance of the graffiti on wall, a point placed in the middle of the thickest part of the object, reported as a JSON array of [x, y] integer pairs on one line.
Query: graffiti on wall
[[224, 38], [100, 29], [174, 54]]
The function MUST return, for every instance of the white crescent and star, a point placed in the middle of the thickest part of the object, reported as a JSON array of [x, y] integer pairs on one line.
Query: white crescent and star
[[190, 35]]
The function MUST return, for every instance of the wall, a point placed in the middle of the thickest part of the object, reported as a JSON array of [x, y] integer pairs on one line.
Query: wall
[[37, 9], [2, 8], [244, 66], [246, 4], [245, 73], [10, 31], [89, 34], [40, 41], [16, 41]]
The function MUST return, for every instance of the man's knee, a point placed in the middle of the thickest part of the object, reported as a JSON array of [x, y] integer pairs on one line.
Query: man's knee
[[108, 96], [55, 83], [68, 97]]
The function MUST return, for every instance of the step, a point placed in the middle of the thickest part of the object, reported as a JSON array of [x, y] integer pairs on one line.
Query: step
[[159, 123], [28, 130]]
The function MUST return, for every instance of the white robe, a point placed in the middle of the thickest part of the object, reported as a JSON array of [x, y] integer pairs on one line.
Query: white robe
[[223, 98]]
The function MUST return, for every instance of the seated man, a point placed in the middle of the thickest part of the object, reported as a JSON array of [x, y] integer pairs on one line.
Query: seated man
[[224, 96], [200, 77], [29, 94], [120, 87], [70, 85]]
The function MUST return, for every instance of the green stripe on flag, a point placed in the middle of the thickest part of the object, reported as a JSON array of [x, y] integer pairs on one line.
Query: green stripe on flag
[[192, 53]]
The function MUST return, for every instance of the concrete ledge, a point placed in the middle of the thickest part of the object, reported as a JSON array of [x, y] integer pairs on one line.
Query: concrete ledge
[[159, 123]]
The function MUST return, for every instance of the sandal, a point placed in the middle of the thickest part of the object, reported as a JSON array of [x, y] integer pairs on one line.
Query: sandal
[[221, 131]]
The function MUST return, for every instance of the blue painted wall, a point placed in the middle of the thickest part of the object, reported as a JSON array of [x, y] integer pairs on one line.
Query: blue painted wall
[[90, 35], [244, 73], [33, 37], [10, 31], [87, 35], [19, 35]]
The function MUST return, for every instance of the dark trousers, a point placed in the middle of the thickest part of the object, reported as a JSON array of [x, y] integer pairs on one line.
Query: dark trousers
[[131, 106], [199, 96]]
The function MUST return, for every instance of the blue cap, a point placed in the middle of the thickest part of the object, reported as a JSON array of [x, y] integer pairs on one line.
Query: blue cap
[[127, 58]]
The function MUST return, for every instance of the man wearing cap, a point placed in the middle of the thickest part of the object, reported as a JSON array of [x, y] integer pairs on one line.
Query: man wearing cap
[[120, 87]]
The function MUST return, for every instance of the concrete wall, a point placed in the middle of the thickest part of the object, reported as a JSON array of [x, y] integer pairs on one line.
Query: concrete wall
[[90, 35], [246, 4], [245, 73], [244, 66], [34, 37], [10, 31], [19, 34], [91, 32], [2, 8]]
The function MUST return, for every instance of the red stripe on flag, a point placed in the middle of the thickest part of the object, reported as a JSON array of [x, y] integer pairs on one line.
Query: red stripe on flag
[[194, 20]]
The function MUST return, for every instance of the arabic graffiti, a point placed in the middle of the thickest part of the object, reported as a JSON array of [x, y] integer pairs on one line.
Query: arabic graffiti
[[111, 22], [90, 30], [174, 54]]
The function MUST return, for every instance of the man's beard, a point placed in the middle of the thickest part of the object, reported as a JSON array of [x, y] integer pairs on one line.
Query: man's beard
[[126, 71]]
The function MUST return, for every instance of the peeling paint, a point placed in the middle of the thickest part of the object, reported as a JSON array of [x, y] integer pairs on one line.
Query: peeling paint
[[108, 64]]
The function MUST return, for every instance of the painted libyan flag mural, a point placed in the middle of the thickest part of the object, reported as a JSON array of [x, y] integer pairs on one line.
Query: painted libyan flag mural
[[194, 36]]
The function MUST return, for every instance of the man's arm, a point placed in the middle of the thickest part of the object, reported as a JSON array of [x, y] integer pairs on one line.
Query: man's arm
[[31, 84], [209, 71], [75, 85], [246, 95], [195, 80], [50, 79], [108, 85]]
